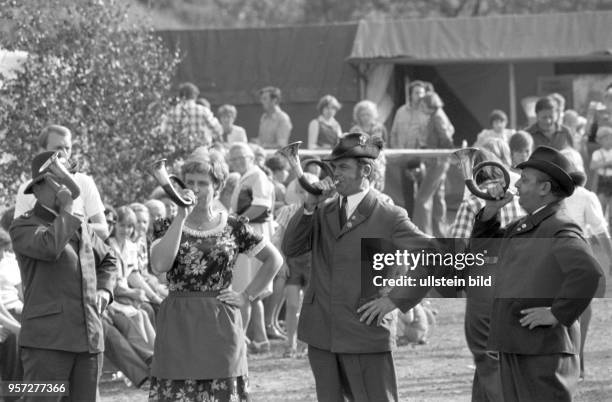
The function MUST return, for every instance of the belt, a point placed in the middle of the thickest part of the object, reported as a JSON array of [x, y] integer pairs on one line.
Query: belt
[[203, 293]]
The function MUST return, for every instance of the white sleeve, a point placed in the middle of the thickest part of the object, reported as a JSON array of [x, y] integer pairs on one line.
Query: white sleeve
[[263, 189], [92, 203], [597, 157], [242, 135], [594, 216], [23, 202]]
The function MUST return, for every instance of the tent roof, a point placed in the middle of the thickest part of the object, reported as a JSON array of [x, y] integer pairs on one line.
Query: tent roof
[[230, 65], [571, 36]]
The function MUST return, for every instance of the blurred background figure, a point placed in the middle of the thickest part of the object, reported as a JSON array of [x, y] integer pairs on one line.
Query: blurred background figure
[[521, 146], [366, 120], [275, 125], [498, 121], [430, 205], [191, 120], [324, 131], [231, 132]]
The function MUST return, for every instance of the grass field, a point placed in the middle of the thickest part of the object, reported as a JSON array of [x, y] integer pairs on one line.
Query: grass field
[[438, 371]]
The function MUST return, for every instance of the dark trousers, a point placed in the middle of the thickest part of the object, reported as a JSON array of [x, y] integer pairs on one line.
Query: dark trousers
[[80, 370], [529, 378], [11, 368], [121, 353], [410, 178], [486, 385], [430, 203], [359, 377]]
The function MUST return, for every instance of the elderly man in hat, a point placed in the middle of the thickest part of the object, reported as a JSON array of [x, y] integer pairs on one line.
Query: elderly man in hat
[[349, 357], [547, 278], [68, 279]]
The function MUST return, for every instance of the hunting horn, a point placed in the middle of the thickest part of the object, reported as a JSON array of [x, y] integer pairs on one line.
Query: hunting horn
[[58, 165], [291, 153], [469, 171], [158, 170]]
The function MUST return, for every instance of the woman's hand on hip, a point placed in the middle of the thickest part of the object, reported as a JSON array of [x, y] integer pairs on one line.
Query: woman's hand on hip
[[233, 298]]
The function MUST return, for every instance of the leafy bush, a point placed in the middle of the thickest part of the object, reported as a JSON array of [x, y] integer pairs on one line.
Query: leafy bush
[[88, 69]]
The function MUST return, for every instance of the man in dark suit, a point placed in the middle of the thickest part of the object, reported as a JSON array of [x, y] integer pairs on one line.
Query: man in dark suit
[[547, 278], [348, 357], [68, 276]]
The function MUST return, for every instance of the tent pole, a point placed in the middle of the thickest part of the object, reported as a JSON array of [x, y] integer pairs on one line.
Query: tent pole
[[512, 93], [363, 69]]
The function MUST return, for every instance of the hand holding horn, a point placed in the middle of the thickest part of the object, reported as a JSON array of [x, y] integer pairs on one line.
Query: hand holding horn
[[290, 152]]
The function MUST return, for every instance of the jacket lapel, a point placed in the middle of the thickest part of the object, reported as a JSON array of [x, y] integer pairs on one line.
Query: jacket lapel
[[333, 216], [363, 212], [529, 222]]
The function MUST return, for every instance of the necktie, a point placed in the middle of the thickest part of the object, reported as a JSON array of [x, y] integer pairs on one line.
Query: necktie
[[343, 210]]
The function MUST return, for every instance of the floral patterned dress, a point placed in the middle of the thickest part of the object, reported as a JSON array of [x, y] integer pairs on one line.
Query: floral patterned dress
[[200, 352]]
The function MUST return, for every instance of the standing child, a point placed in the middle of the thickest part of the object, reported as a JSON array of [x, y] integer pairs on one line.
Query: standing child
[[601, 162], [498, 120], [298, 267]]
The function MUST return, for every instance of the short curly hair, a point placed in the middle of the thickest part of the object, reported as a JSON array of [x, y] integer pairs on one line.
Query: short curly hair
[[200, 161], [328, 101], [365, 105]]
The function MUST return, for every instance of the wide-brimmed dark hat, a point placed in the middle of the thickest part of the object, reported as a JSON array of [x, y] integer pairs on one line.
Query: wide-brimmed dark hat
[[555, 164], [37, 176], [356, 145]]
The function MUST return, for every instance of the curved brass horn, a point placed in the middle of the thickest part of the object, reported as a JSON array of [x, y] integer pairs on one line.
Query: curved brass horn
[[58, 165], [158, 170], [291, 153], [469, 171]]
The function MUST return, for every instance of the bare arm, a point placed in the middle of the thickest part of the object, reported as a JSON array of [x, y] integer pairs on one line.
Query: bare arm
[[98, 224], [283, 133], [164, 250], [7, 320], [272, 261], [313, 134], [137, 281]]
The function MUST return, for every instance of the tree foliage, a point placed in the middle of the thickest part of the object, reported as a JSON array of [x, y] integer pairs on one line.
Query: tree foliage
[[241, 13], [89, 70]]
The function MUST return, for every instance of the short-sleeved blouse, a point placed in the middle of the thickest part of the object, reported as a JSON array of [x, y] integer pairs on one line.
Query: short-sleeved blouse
[[205, 259]]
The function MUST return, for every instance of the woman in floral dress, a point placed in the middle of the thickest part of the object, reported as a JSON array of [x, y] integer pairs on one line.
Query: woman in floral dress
[[200, 350]]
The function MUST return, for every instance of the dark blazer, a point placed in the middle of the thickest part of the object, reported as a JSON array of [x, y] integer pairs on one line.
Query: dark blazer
[[544, 261], [63, 263], [329, 318]]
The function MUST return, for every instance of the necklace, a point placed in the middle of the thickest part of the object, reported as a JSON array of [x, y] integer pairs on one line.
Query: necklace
[[215, 226], [206, 223]]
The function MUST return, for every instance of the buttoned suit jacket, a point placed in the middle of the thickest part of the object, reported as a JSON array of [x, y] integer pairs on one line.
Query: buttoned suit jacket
[[60, 281], [329, 318], [544, 262]]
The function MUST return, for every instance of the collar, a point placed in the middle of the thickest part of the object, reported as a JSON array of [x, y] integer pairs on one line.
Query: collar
[[46, 214], [354, 200], [544, 212], [363, 212], [250, 171], [539, 209], [533, 220]]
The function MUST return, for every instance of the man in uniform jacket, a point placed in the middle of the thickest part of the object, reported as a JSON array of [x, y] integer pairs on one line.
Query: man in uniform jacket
[[547, 277], [68, 276], [348, 357]]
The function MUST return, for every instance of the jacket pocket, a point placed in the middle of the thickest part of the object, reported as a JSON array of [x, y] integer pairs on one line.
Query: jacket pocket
[[41, 310]]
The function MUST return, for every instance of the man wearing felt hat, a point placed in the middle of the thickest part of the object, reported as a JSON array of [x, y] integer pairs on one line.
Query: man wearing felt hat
[[350, 357], [547, 277], [68, 278]]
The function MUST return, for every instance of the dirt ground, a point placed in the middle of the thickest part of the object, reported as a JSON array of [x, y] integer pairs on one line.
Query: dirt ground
[[438, 371]]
